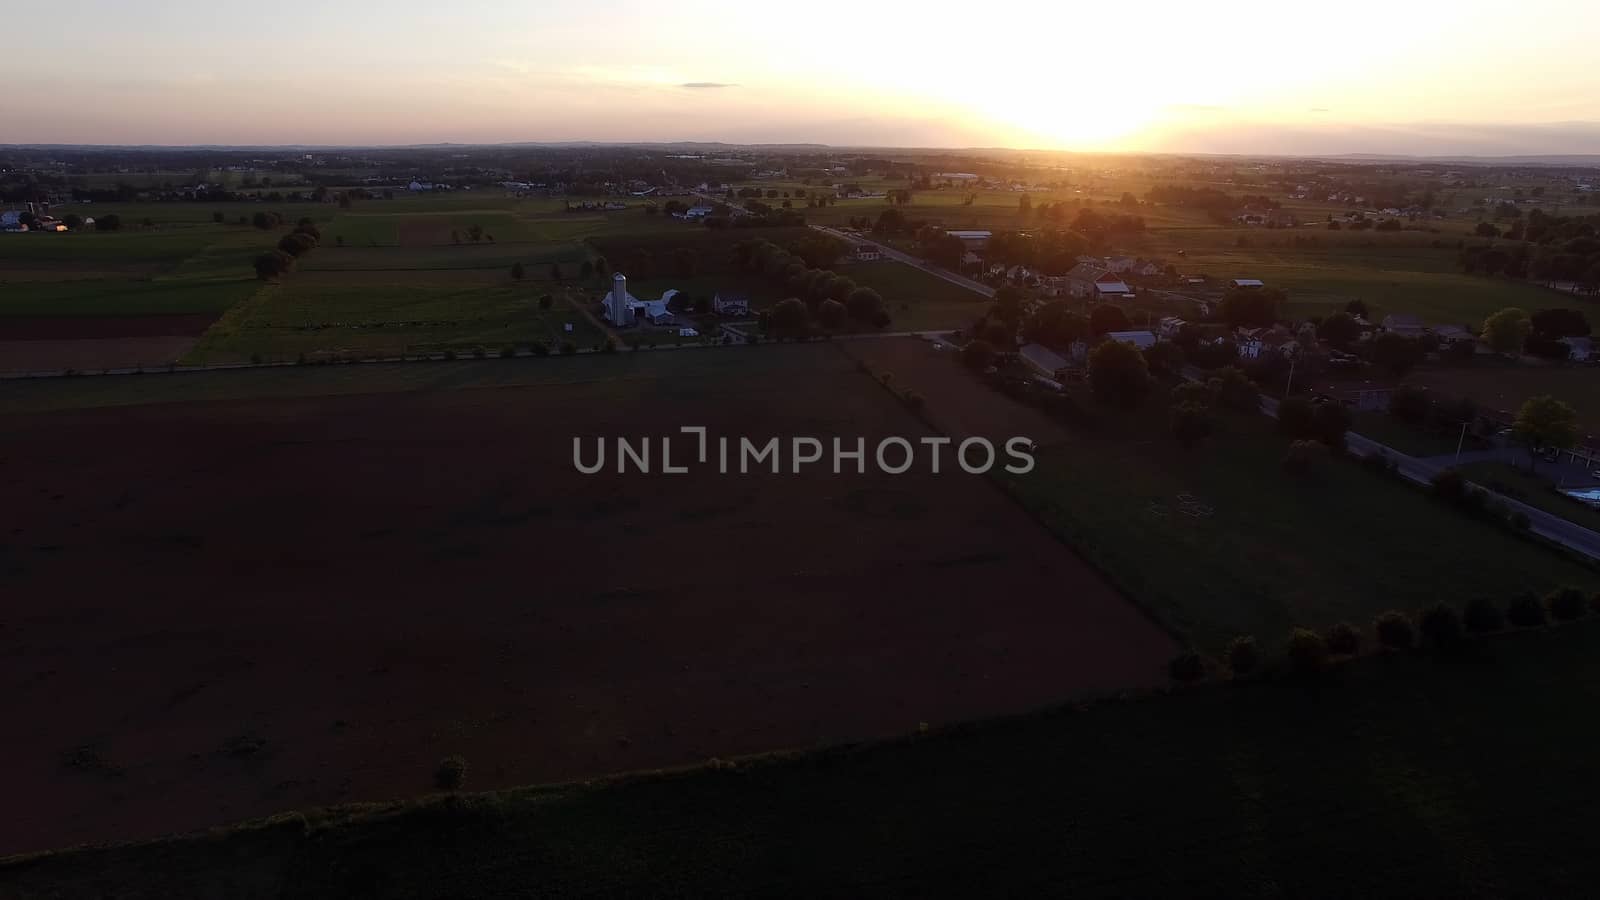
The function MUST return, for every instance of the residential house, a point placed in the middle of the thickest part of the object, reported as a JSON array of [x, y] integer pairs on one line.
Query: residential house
[[1170, 327], [867, 253], [1450, 335], [1248, 283]]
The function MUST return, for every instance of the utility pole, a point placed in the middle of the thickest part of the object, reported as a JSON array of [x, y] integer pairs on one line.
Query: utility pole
[[1289, 384], [1461, 442]]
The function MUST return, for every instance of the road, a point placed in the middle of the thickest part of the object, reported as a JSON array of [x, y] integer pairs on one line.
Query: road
[[1421, 471], [908, 259]]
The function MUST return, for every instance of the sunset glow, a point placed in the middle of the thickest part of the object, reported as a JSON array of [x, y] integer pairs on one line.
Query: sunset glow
[[1127, 76]]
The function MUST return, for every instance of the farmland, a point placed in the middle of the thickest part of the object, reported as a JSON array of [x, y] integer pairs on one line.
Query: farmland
[[1462, 774], [1218, 541], [322, 591]]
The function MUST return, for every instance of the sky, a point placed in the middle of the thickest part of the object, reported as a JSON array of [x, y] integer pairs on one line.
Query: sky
[[1227, 76]]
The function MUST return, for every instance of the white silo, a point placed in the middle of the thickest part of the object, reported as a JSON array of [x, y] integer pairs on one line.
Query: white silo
[[620, 311]]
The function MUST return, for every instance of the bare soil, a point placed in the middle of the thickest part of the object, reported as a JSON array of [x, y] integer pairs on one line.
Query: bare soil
[[221, 610]]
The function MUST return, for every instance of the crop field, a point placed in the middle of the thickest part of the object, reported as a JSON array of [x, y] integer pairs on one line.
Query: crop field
[[369, 311], [1464, 774], [304, 600], [916, 299], [1219, 541]]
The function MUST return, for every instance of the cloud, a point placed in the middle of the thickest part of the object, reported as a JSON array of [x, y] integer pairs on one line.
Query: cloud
[[706, 84], [1320, 109]]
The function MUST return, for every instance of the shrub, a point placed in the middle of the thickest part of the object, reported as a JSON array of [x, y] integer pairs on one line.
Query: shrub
[[1308, 652], [1344, 640], [1379, 463], [567, 349], [1394, 631], [912, 399], [1440, 624], [1483, 616], [449, 354], [1526, 611], [507, 352], [451, 773], [1519, 522], [1566, 604], [1594, 603], [1302, 457], [1296, 418], [1449, 486], [479, 353], [1244, 656], [1187, 667]]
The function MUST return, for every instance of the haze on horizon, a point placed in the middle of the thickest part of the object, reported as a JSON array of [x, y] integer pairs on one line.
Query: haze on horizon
[[1238, 76]]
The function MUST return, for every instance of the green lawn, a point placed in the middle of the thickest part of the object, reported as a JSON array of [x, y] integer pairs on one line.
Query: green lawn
[[1220, 541], [1412, 440], [1397, 776], [1533, 489]]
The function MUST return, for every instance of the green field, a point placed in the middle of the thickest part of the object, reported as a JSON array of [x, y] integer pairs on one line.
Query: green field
[[1219, 541], [1533, 489], [307, 314], [1468, 775], [916, 299]]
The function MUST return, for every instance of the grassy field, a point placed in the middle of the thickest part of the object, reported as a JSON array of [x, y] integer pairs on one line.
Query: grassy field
[[916, 299], [1532, 489], [1397, 776], [1219, 541], [315, 313]]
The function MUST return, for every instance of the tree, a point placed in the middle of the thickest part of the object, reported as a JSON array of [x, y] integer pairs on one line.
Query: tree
[[1340, 330], [296, 245], [790, 318], [1251, 307], [1526, 611], [1566, 604], [978, 355], [864, 304], [1164, 359], [1544, 421], [1330, 421], [1118, 375], [1554, 324], [265, 221], [1106, 318], [1396, 352], [1356, 309], [271, 264], [1192, 423], [1236, 391], [1394, 631], [1344, 640], [1308, 652], [1507, 330], [832, 315], [1486, 229], [1244, 655], [1297, 418], [1483, 616], [517, 272], [1440, 624]]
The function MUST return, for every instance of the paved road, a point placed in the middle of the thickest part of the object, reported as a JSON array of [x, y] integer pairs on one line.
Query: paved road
[[908, 259], [1421, 471]]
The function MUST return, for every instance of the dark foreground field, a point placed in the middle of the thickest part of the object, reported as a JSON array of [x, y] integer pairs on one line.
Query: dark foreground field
[[1396, 776], [221, 609]]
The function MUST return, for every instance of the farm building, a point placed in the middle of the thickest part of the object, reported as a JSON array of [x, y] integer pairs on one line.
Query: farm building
[[1144, 340], [1406, 325], [867, 253], [1579, 349], [622, 309], [975, 240], [1248, 283], [1089, 280], [730, 305]]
